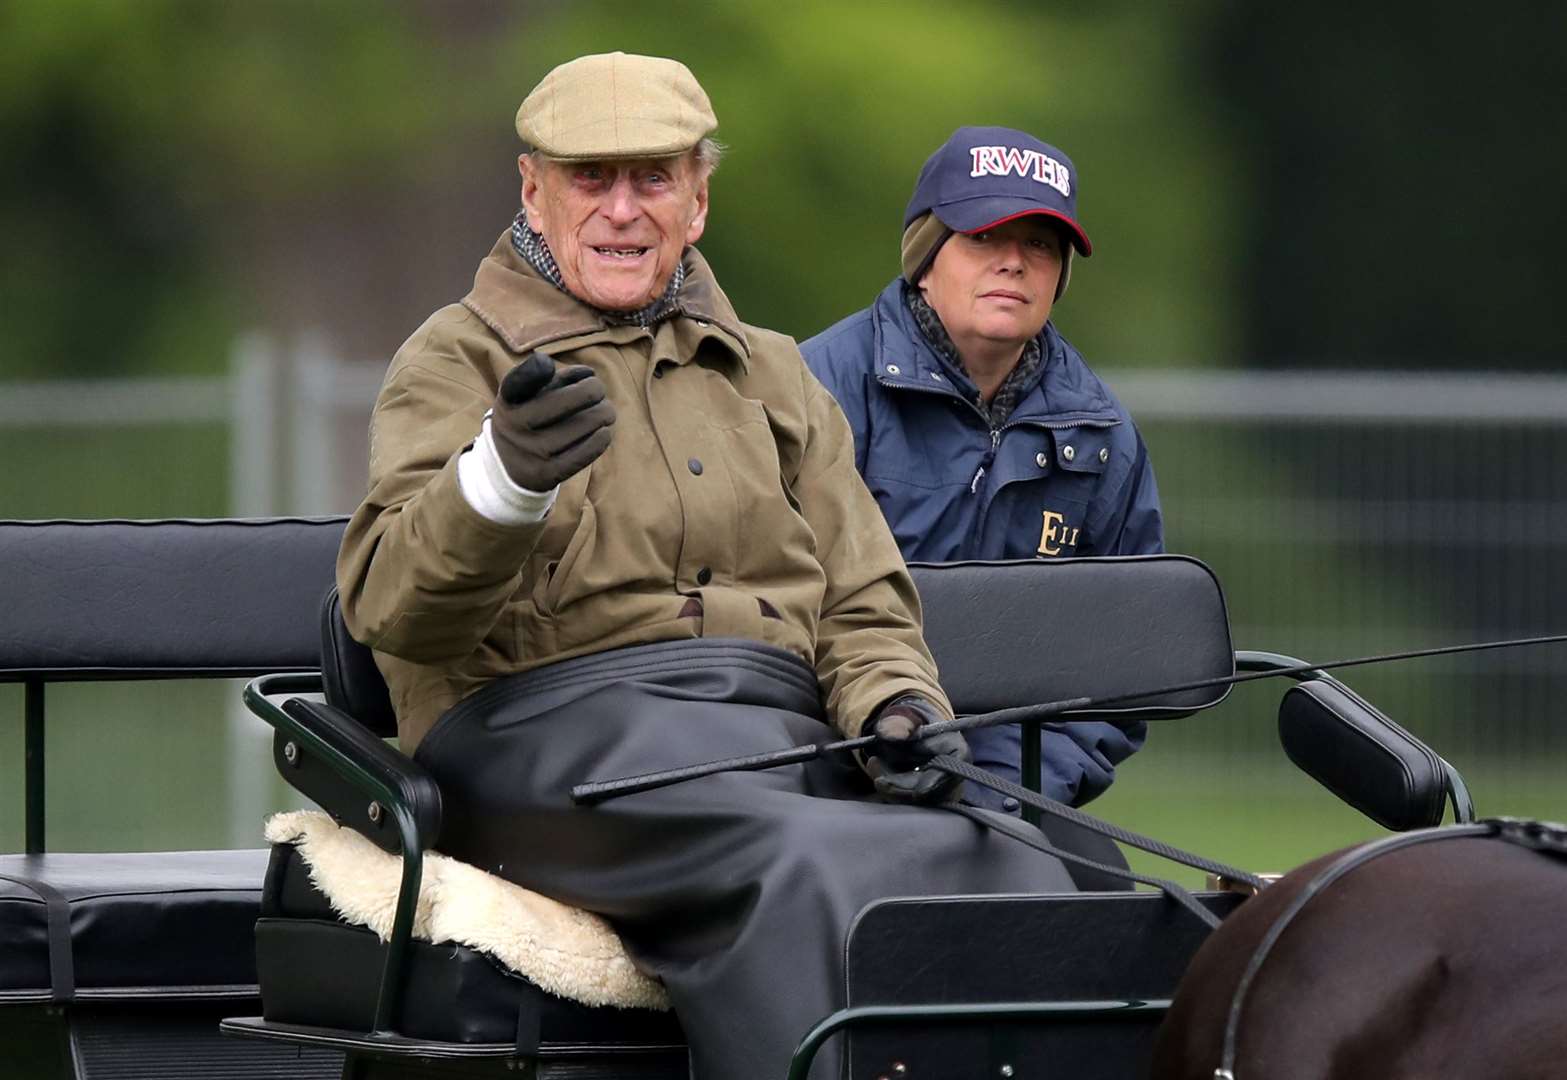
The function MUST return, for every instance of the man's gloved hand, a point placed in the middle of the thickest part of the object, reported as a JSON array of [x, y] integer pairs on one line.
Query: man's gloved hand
[[894, 761], [549, 423]]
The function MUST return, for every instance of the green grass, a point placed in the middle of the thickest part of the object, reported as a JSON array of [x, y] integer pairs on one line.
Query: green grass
[[163, 471]]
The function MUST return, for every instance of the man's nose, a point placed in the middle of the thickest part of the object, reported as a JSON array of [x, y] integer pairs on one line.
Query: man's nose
[[621, 205]]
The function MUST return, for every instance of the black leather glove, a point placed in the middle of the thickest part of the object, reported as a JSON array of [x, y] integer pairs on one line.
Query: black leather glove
[[550, 423], [895, 760]]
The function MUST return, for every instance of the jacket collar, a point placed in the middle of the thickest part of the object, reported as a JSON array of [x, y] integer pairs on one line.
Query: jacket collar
[[1066, 388], [526, 311]]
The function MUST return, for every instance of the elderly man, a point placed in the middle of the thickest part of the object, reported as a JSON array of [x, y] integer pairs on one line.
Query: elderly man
[[611, 528], [978, 427]]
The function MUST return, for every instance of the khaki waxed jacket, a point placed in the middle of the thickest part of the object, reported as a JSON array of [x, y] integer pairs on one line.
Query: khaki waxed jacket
[[730, 480]]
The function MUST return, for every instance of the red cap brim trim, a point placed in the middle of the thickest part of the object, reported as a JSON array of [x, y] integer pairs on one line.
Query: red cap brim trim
[[1082, 243]]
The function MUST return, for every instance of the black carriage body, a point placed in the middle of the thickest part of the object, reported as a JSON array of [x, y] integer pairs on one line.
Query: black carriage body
[[122, 964]]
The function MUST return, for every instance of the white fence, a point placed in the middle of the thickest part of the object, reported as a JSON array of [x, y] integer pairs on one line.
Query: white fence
[[1345, 512]]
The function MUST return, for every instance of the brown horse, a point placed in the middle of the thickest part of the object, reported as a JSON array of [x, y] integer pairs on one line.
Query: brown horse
[[1438, 953]]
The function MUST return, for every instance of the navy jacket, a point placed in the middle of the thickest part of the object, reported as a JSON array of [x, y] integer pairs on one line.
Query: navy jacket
[[1066, 474]]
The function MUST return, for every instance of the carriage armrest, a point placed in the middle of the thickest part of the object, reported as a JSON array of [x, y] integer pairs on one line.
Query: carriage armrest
[[1354, 750], [365, 784], [350, 772]]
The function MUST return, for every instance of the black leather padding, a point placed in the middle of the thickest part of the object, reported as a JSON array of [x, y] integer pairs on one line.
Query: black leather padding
[[1355, 751], [971, 949], [154, 599], [315, 969], [348, 673], [174, 921], [1015, 632]]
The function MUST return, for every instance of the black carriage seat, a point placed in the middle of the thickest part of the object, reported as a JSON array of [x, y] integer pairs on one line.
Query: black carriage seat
[[322, 976], [89, 942], [1003, 633]]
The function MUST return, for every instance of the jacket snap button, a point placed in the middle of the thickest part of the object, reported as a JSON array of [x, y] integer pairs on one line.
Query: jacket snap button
[[1010, 805], [703, 576], [695, 466], [894, 369], [702, 323], [1104, 454], [1041, 459], [1068, 453]]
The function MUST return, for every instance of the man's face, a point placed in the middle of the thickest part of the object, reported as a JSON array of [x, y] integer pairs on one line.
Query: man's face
[[997, 285], [616, 228]]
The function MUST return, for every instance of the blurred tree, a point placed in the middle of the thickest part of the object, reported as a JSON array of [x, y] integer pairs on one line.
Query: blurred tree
[[1405, 164], [831, 108], [181, 169]]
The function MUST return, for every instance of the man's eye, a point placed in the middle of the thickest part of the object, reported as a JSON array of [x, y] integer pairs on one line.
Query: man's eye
[[590, 176], [981, 237]]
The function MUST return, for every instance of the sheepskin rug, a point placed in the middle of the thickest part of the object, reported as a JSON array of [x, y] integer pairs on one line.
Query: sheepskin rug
[[566, 951]]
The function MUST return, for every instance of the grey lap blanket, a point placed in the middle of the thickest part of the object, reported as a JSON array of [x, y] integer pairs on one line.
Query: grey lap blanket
[[736, 890]]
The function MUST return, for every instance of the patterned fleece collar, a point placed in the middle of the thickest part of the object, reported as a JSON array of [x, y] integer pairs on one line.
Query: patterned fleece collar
[[1013, 387]]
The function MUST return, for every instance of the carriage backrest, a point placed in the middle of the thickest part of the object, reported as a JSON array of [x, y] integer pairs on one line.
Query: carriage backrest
[[162, 599], [349, 676], [1003, 633], [1035, 630]]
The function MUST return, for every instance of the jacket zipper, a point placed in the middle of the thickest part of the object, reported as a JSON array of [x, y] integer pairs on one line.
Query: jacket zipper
[[986, 461]]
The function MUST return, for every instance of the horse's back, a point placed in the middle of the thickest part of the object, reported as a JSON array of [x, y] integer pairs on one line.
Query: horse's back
[[1437, 959]]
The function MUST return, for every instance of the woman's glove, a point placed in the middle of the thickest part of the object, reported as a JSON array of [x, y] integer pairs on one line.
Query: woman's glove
[[895, 761]]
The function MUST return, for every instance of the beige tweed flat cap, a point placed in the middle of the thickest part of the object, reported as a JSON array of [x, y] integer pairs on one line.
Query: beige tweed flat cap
[[616, 105]]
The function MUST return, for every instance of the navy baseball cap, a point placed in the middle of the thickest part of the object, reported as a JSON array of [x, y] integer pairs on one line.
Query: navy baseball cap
[[985, 176]]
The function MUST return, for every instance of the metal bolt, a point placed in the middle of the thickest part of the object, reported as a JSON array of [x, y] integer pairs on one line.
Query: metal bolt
[[894, 369], [1006, 1070], [1041, 459], [291, 753], [375, 813], [1068, 452], [1104, 454]]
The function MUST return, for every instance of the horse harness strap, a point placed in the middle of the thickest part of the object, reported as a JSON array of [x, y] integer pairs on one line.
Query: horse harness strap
[[1537, 835]]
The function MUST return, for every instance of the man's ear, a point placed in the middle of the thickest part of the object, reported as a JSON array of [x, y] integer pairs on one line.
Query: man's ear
[[699, 223], [529, 169]]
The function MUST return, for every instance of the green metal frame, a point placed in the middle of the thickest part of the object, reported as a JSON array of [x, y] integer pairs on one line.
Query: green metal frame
[[906, 1015], [33, 782], [257, 695]]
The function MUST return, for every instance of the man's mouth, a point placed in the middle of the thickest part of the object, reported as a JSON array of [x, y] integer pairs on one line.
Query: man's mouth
[[621, 252]]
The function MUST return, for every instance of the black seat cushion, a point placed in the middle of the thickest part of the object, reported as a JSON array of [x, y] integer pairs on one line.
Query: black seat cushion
[[316, 969], [173, 921]]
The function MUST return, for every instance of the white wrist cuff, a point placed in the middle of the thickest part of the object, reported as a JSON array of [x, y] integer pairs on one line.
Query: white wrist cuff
[[491, 492]]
